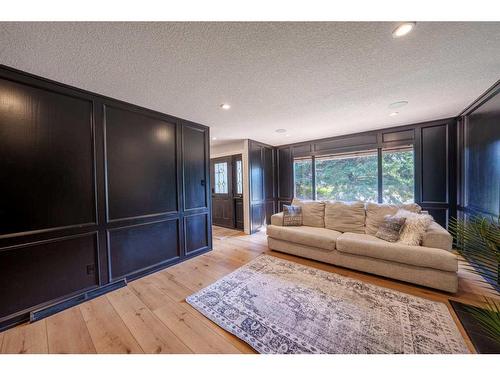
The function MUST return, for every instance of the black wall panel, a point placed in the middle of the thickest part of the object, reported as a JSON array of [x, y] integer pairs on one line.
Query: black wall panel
[[142, 246], [434, 164], [36, 273], [195, 173], [263, 200], [46, 159], [285, 172], [481, 154], [197, 233], [141, 164], [92, 192]]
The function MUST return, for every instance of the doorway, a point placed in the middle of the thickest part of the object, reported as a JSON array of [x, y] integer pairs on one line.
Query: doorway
[[226, 175]]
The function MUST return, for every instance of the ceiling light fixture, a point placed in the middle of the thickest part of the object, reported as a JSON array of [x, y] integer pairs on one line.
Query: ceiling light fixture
[[403, 29], [225, 106], [280, 131], [214, 138], [392, 114]]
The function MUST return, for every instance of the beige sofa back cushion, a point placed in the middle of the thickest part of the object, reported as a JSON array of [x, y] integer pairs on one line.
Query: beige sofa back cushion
[[345, 216], [313, 212], [375, 213]]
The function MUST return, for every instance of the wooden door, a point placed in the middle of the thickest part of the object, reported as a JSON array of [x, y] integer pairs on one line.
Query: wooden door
[[221, 172]]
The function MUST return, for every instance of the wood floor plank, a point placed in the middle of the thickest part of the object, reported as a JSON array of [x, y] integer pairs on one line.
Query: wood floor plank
[[108, 331], [67, 333], [26, 339], [151, 334], [169, 286], [191, 330]]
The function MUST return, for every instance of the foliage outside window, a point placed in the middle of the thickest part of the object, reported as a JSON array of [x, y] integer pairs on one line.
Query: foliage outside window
[[355, 176], [302, 176], [398, 176], [347, 177]]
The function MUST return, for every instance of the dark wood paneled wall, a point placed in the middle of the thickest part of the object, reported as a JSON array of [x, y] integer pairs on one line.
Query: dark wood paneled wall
[[479, 155], [262, 163], [435, 160], [94, 192]]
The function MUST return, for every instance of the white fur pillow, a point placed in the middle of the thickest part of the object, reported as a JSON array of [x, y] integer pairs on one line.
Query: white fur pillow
[[414, 228]]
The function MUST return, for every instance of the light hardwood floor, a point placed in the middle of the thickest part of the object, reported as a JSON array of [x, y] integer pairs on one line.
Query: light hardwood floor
[[150, 315]]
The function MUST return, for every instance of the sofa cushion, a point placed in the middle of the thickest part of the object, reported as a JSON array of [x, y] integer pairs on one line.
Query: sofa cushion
[[309, 236], [376, 212], [345, 216], [313, 212], [370, 246], [438, 237]]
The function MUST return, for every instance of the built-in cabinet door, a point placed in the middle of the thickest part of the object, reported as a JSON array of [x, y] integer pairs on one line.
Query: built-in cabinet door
[[221, 174]]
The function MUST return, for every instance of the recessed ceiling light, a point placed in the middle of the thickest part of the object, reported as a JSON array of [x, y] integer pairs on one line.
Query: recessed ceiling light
[[392, 114], [225, 106], [281, 131], [403, 29], [399, 104], [287, 135], [214, 138]]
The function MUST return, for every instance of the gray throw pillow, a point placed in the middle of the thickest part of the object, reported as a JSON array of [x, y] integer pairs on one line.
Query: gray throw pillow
[[292, 216], [391, 227]]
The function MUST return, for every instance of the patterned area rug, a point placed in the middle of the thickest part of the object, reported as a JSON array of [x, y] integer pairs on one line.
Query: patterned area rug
[[278, 306]]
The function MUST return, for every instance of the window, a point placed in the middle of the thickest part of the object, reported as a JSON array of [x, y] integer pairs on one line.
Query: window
[[303, 178], [398, 175], [347, 177], [220, 178], [356, 176], [239, 177]]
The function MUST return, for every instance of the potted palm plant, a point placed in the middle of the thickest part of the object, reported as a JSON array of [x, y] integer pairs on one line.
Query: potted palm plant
[[478, 242]]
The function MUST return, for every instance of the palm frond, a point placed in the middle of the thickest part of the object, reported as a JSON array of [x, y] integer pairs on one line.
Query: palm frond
[[488, 317]]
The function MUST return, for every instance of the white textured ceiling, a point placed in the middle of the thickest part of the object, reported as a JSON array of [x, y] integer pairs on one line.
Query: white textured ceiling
[[313, 79]]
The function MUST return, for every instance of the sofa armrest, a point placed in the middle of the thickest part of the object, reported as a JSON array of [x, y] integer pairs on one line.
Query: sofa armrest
[[437, 237], [277, 219]]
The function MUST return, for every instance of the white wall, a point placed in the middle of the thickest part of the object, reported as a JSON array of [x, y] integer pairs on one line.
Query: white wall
[[234, 148]]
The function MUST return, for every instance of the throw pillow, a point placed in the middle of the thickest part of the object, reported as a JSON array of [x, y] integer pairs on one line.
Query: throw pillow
[[414, 228], [292, 216], [390, 229]]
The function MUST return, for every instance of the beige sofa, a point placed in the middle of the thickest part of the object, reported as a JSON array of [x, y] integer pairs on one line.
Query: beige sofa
[[344, 235]]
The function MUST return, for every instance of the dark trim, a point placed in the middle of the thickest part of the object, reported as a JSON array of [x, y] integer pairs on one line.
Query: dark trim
[[483, 98], [380, 176], [44, 312]]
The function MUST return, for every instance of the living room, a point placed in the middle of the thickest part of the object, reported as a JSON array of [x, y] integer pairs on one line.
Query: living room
[[229, 186]]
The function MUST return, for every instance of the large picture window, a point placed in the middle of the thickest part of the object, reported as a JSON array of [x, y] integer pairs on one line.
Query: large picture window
[[356, 176], [347, 177]]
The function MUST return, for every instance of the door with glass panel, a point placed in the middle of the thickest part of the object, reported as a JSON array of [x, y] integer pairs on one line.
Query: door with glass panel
[[221, 174]]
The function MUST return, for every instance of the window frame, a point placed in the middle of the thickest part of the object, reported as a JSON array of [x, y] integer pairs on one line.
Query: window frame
[[378, 152]]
